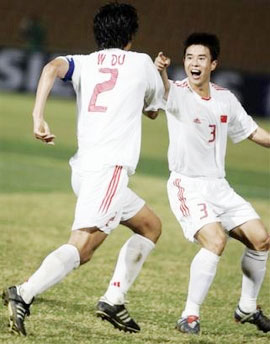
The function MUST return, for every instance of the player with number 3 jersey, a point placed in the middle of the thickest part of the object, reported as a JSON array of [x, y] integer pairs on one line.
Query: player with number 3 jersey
[[200, 116]]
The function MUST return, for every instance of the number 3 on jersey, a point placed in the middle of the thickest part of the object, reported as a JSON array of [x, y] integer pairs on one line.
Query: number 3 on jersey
[[102, 87], [212, 133]]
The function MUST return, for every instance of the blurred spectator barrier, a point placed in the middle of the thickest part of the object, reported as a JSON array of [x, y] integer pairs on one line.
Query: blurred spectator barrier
[[20, 71]]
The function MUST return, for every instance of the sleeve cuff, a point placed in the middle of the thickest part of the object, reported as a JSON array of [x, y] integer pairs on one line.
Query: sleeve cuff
[[70, 71]]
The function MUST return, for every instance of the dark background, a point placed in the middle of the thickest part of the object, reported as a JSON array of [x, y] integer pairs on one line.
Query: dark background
[[243, 27]]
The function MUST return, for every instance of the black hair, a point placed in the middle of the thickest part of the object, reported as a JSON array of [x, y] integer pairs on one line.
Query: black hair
[[115, 24], [208, 40]]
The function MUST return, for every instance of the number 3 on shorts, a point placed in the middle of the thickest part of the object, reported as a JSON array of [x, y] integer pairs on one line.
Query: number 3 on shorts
[[203, 209], [102, 87]]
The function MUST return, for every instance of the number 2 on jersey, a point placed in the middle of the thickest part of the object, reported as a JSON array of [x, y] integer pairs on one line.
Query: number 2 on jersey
[[102, 87]]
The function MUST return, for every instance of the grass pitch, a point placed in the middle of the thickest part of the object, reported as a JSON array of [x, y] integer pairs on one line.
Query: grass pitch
[[37, 207]]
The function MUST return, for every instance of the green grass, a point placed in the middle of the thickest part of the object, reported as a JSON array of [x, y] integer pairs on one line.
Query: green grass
[[37, 207]]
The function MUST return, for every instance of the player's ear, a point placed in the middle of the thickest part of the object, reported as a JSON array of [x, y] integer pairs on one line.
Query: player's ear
[[214, 65]]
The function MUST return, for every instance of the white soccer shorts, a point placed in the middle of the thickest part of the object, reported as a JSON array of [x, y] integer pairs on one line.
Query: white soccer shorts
[[103, 198], [196, 202]]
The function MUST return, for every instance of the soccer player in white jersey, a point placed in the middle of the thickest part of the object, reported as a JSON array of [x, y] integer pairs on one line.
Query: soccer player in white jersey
[[200, 116], [113, 86]]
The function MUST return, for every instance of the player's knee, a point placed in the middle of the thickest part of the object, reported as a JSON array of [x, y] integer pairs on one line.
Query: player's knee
[[85, 256], [158, 228], [84, 252], [151, 228], [217, 244], [263, 244]]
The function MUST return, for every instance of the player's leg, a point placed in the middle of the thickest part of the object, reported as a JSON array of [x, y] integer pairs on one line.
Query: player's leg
[[145, 223], [147, 229], [254, 236], [212, 239], [53, 269], [244, 224], [62, 261], [87, 240], [192, 202]]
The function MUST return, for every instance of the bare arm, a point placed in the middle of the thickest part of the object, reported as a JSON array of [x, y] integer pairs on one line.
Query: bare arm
[[261, 137], [52, 70], [162, 63]]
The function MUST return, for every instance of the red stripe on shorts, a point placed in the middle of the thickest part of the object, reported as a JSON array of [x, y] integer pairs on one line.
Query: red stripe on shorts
[[183, 207], [111, 189]]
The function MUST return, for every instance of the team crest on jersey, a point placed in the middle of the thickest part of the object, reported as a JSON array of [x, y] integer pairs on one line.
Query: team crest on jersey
[[223, 118]]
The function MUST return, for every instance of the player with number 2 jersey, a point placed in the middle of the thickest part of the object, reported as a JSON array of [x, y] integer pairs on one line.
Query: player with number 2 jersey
[[113, 87]]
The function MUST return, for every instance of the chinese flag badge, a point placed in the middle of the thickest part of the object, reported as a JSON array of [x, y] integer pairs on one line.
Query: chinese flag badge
[[223, 118]]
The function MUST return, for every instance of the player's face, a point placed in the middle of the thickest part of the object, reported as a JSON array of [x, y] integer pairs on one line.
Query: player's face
[[198, 65]]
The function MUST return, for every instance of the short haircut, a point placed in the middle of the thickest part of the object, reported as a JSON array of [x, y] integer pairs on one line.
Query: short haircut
[[208, 40], [115, 24]]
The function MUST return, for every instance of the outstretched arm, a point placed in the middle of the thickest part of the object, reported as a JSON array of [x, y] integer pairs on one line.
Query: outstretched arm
[[52, 70], [261, 137], [162, 63]]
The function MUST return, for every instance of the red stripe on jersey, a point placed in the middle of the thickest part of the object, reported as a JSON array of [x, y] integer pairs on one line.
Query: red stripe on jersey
[[183, 207], [111, 189], [217, 87], [181, 83]]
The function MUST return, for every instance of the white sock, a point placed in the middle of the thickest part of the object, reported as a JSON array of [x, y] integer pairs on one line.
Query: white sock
[[253, 267], [202, 272], [130, 260], [52, 270]]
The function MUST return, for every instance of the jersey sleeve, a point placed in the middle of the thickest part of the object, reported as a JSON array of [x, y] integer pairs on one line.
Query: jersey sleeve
[[241, 125], [153, 100], [172, 104], [74, 71]]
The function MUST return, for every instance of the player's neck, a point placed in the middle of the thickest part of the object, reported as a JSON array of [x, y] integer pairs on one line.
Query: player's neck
[[202, 90], [128, 46]]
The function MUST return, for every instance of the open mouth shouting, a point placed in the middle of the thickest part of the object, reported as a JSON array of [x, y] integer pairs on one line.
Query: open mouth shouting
[[196, 73]]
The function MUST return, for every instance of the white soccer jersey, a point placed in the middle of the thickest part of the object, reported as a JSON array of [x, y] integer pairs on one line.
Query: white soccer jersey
[[198, 129], [112, 87]]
